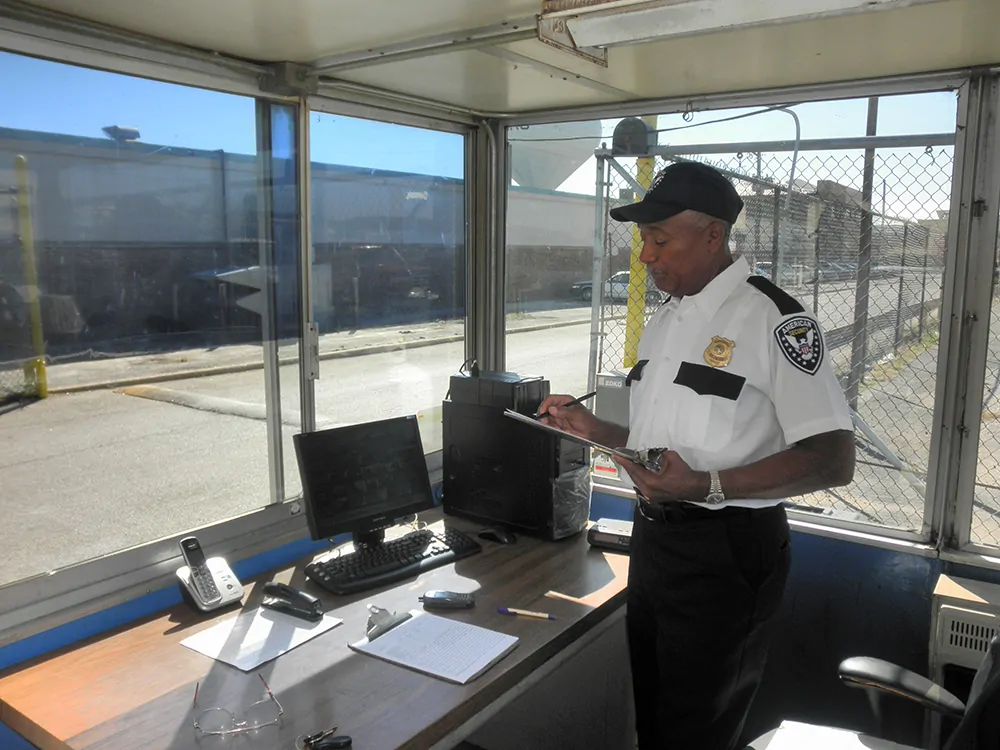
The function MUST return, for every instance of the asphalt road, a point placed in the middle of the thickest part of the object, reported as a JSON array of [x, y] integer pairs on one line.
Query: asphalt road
[[85, 474]]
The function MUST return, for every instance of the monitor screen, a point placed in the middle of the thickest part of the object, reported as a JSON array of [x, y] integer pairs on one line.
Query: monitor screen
[[363, 477]]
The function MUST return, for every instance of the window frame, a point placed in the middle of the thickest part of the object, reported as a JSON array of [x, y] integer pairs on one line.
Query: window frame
[[49, 599], [936, 498]]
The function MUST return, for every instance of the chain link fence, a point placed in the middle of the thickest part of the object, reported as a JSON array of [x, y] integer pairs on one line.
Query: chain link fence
[[986, 500], [872, 277]]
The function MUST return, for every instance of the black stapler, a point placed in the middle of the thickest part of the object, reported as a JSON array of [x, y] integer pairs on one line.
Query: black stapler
[[283, 598]]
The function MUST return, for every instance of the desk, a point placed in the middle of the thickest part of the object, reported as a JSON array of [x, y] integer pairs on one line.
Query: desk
[[133, 687]]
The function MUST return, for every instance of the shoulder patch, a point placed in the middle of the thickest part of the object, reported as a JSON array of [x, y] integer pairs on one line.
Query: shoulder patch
[[786, 303], [800, 341]]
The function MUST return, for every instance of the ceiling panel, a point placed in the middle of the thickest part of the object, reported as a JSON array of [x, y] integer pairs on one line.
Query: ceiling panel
[[295, 30], [480, 81], [529, 75]]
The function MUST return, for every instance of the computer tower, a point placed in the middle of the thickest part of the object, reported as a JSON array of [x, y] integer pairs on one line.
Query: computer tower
[[499, 471]]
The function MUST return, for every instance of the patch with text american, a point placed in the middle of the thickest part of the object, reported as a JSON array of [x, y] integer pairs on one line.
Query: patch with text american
[[800, 341]]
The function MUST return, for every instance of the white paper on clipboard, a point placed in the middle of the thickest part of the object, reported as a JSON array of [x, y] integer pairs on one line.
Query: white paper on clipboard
[[624, 453]]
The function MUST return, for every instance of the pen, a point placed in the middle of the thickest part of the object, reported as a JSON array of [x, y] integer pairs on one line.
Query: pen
[[525, 613], [574, 402]]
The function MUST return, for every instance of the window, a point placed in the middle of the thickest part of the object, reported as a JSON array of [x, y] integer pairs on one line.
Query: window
[[388, 269], [140, 227], [873, 277]]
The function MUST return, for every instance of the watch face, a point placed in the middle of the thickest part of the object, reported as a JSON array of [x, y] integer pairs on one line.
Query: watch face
[[714, 499]]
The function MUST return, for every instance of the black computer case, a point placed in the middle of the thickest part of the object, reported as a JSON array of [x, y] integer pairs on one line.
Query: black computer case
[[499, 471]]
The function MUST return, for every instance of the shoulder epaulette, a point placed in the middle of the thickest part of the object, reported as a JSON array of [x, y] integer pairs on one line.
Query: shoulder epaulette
[[786, 303]]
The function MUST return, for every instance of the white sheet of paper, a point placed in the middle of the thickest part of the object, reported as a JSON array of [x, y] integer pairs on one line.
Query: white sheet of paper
[[248, 640], [795, 735], [452, 650]]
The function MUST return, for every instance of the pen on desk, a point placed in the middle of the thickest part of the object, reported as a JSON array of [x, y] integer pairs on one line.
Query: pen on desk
[[574, 402], [525, 613]]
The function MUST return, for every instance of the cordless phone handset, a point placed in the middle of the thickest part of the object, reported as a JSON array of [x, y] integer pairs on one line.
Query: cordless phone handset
[[201, 577]]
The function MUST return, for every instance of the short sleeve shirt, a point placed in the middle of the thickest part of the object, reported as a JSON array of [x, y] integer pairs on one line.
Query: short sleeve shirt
[[732, 375]]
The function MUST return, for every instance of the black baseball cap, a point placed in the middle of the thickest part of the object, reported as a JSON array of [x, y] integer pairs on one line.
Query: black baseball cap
[[683, 186]]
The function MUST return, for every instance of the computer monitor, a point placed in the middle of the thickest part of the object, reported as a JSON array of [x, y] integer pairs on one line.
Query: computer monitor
[[363, 478]]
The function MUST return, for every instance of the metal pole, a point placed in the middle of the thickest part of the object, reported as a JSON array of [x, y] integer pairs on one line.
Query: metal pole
[[37, 366], [776, 227], [757, 192], [816, 276], [923, 293], [597, 276], [859, 343], [899, 300], [635, 305]]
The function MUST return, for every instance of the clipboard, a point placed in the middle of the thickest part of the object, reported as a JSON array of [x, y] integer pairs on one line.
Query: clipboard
[[649, 459]]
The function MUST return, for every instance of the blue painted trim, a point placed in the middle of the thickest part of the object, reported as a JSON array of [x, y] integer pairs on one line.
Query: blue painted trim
[[11, 740]]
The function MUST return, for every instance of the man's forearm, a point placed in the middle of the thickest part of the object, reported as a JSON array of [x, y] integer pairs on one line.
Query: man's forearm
[[815, 464], [609, 434]]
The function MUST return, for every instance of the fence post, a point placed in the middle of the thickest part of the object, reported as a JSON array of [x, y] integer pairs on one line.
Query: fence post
[[859, 342], [37, 365], [776, 227], [923, 293], [816, 276], [899, 301]]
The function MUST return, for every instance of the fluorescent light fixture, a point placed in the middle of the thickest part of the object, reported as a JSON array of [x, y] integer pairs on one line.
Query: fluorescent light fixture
[[603, 23]]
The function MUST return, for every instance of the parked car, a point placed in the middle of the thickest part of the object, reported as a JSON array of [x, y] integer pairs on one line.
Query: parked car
[[582, 290], [616, 290]]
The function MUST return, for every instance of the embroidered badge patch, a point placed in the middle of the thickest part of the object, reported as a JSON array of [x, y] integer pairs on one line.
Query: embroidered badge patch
[[801, 343], [719, 351]]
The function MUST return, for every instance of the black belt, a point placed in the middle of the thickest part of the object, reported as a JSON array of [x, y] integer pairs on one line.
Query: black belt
[[680, 512]]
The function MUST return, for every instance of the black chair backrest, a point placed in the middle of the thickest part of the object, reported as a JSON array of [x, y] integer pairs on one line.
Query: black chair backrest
[[979, 729]]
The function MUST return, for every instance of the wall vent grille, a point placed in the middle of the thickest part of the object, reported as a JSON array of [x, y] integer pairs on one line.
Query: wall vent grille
[[965, 635]]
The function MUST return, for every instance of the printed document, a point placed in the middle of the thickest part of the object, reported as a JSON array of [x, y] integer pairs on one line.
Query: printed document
[[449, 649]]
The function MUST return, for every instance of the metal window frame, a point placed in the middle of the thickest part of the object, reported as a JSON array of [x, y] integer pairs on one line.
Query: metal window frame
[[975, 238], [937, 483], [950, 80], [35, 32], [50, 599]]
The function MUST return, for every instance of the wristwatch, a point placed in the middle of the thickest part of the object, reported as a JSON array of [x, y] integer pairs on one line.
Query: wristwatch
[[715, 495]]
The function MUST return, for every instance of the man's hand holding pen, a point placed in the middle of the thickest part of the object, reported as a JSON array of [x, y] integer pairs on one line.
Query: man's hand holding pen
[[567, 413]]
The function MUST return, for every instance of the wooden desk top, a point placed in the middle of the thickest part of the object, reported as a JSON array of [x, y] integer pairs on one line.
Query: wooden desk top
[[133, 687]]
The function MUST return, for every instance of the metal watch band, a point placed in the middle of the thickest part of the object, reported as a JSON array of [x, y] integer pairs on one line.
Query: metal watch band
[[715, 489]]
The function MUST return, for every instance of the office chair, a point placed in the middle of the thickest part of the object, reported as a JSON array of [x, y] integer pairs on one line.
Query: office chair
[[979, 721]]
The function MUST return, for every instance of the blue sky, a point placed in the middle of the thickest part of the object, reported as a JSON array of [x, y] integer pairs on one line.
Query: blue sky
[[57, 98]]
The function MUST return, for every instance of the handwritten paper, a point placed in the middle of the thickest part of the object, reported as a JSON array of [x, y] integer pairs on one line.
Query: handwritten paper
[[452, 650]]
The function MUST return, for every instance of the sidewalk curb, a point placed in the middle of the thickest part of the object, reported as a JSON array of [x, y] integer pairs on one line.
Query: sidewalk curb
[[247, 366]]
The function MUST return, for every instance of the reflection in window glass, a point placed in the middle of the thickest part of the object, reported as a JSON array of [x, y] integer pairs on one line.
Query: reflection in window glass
[[873, 279], [142, 202], [388, 269]]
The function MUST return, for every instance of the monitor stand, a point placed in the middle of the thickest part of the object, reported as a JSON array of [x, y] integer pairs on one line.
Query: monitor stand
[[369, 539]]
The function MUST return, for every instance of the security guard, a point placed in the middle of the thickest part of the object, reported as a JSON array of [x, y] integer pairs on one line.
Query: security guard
[[734, 383]]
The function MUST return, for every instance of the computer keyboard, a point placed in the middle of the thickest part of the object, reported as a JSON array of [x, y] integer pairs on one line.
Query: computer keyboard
[[391, 561]]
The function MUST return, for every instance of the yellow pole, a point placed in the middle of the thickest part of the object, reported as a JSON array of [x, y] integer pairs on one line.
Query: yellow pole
[[635, 311], [37, 366]]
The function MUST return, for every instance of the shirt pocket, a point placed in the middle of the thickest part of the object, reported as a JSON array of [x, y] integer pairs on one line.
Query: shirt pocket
[[707, 398]]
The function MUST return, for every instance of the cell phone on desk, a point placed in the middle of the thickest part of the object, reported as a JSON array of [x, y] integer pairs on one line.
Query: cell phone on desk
[[209, 582]]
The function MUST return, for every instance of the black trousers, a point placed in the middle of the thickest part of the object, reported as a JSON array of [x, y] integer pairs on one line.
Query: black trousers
[[703, 589]]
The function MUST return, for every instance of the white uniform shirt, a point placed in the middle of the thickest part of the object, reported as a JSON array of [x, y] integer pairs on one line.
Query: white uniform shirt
[[733, 374]]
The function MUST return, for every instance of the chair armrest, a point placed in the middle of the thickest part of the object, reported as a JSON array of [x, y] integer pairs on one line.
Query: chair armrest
[[864, 671]]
